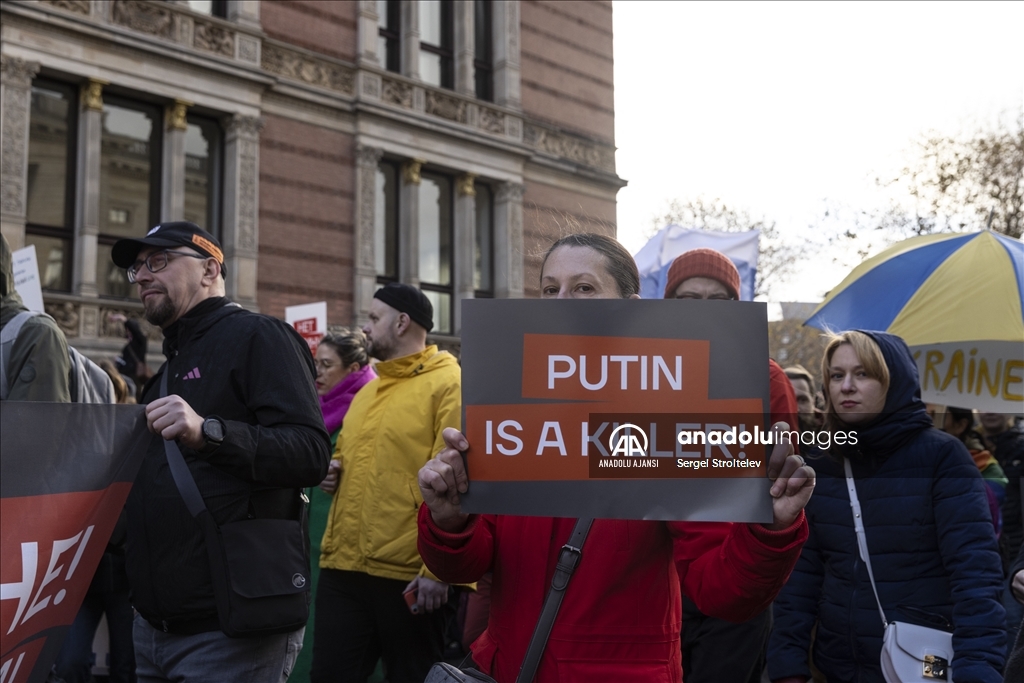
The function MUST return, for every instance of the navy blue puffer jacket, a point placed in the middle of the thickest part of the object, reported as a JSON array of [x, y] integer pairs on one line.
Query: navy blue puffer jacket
[[930, 538]]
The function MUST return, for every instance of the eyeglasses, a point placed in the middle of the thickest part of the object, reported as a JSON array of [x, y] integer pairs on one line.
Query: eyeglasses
[[157, 261]]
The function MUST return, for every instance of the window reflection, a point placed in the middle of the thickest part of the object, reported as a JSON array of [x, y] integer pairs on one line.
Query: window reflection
[[385, 227], [435, 230], [203, 173], [48, 157], [483, 281]]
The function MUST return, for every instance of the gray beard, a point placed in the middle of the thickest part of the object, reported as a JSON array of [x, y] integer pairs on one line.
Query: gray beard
[[162, 314], [378, 350]]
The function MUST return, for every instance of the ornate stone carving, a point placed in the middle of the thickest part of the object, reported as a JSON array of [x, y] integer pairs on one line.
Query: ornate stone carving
[[297, 66], [570, 148], [246, 129], [248, 49], [177, 115], [510, 192], [371, 85], [16, 71], [492, 121], [464, 185], [396, 92], [446, 106], [76, 6], [367, 159], [411, 171], [66, 314], [148, 17], [111, 324], [214, 39], [92, 94], [514, 127], [14, 149]]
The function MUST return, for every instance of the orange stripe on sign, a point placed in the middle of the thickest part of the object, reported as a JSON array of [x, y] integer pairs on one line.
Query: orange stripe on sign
[[209, 246]]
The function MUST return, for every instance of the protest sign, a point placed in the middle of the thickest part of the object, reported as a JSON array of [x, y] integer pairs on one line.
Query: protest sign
[[26, 278], [617, 409], [310, 321], [64, 477]]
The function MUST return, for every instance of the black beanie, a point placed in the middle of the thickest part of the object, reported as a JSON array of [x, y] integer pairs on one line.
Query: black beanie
[[409, 300]]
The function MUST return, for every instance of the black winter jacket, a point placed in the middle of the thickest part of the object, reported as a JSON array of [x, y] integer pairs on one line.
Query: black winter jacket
[[1008, 447], [256, 374]]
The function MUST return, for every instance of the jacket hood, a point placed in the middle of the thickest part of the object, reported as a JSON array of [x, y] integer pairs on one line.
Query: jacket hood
[[12, 302], [904, 414], [414, 364]]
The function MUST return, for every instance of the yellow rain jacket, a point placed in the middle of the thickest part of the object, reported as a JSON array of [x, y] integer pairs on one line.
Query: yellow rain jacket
[[391, 430]]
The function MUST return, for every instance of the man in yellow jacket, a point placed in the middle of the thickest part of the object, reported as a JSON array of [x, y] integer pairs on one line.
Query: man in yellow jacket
[[369, 558]]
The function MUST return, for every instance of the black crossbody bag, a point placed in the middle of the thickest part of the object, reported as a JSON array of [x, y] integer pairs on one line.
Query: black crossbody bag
[[568, 560], [259, 567]]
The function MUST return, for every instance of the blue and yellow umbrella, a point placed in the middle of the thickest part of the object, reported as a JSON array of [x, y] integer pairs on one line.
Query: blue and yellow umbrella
[[956, 299]]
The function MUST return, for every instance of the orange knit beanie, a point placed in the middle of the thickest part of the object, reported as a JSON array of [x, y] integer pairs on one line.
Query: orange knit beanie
[[703, 263]]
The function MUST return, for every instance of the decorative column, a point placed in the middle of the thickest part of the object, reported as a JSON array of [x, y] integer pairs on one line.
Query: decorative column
[[241, 207], [409, 222], [465, 242], [367, 160], [508, 241], [411, 39], [244, 12], [16, 97], [506, 53], [464, 48], [368, 29], [87, 215], [172, 202]]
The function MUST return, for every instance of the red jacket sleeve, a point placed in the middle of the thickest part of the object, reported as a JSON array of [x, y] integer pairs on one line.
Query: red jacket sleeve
[[456, 558], [782, 399], [734, 571]]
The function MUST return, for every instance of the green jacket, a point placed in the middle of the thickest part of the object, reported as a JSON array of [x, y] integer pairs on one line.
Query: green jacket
[[39, 367]]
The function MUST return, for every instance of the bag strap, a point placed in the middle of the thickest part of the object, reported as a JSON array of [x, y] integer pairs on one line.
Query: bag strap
[[568, 559], [183, 478], [862, 541], [7, 339]]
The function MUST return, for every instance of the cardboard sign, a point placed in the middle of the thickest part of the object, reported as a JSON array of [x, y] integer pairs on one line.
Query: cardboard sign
[[984, 375], [617, 409], [65, 474], [26, 278], [310, 321]]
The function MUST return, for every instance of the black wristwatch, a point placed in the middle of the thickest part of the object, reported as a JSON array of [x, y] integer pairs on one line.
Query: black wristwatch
[[213, 434]]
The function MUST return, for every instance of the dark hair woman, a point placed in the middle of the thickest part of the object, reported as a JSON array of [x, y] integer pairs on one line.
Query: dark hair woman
[[621, 618], [342, 369]]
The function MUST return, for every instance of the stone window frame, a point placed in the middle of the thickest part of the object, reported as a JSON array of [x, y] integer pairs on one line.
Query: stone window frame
[[505, 46], [506, 231], [240, 178]]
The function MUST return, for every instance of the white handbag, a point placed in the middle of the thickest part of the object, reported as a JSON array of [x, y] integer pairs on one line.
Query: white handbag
[[910, 653]]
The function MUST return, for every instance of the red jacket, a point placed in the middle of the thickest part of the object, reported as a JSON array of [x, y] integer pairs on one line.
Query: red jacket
[[782, 398], [621, 615]]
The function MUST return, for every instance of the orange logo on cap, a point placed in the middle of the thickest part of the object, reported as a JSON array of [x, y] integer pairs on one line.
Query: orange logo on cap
[[209, 246]]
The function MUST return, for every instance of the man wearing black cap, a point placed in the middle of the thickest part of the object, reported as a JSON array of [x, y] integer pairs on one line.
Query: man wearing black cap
[[369, 557], [242, 407]]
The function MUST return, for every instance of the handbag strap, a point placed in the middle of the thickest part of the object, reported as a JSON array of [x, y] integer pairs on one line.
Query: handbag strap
[[183, 478], [862, 541], [568, 560]]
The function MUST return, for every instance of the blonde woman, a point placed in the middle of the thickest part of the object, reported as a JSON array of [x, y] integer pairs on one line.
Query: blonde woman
[[929, 532]]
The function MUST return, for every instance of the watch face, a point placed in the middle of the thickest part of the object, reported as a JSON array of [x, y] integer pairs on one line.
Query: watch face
[[213, 429]]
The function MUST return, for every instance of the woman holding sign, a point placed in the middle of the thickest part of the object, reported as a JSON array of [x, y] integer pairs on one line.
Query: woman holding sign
[[929, 536], [621, 616]]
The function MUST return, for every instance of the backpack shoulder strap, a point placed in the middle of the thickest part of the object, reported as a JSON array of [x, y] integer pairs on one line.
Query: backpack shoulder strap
[[7, 339]]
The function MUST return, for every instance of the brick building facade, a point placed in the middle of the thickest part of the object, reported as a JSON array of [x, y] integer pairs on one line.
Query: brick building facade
[[331, 146]]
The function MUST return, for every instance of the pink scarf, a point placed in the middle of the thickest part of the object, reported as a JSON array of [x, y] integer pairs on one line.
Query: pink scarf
[[335, 403]]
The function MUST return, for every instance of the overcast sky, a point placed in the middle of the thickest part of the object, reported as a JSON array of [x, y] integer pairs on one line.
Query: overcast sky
[[777, 107]]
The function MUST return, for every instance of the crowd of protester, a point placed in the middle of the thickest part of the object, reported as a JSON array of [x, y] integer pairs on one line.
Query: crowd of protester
[[368, 433]]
